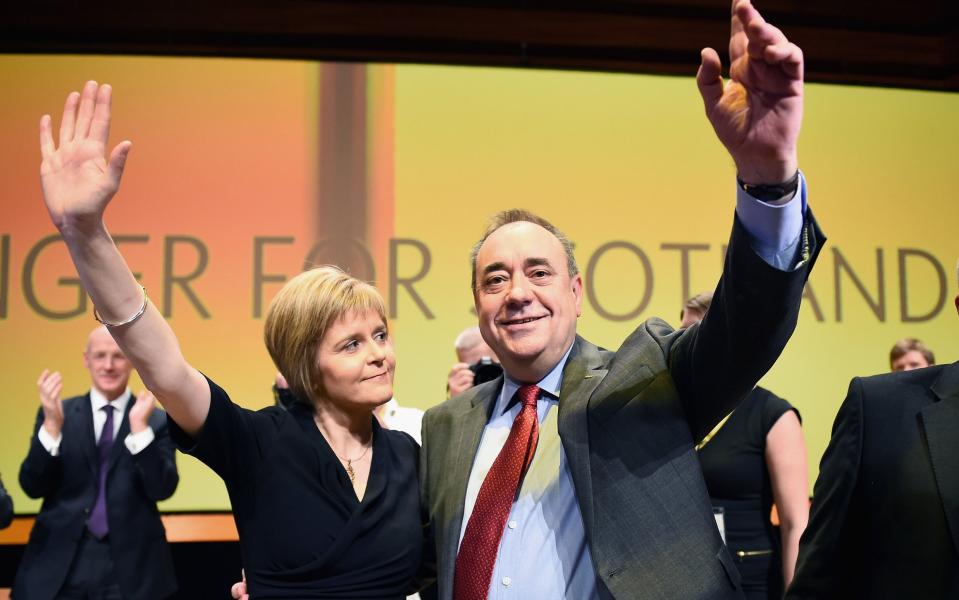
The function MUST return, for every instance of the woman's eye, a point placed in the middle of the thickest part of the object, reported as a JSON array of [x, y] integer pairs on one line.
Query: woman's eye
[[351, 346]]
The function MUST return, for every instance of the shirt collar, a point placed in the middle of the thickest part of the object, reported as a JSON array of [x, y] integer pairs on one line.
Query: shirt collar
[[98, 400], [550, 384]]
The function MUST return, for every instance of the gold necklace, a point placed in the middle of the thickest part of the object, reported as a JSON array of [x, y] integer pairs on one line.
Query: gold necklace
[[349, 462]]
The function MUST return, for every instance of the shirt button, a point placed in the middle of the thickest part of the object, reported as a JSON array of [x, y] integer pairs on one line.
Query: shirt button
[[507, 581], [512, 524]]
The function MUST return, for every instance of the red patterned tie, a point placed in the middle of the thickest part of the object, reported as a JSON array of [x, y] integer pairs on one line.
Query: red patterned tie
[[477, 555]]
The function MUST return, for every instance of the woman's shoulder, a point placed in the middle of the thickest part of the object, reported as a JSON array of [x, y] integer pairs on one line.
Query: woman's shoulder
[[400, 440]]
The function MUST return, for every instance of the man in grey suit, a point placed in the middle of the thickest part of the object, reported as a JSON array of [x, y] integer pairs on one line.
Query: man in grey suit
[[587, 485]]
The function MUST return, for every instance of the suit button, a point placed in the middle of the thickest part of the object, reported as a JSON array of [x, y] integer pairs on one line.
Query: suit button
[[86, 511]]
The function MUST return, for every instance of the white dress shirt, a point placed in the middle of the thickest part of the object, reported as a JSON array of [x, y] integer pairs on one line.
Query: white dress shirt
[[135, 442]]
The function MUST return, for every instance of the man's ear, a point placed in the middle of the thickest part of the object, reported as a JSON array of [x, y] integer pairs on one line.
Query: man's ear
[[577, 283]]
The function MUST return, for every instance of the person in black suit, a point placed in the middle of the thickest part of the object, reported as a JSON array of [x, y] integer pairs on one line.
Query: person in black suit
[[98, 533], [885, 512], [6, 507]]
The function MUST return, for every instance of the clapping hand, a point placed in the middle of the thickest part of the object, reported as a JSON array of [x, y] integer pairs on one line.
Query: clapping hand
[[50, 384], [140, 413]]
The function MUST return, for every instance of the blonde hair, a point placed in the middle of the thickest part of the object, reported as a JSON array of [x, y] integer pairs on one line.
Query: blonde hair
[[302, 312]]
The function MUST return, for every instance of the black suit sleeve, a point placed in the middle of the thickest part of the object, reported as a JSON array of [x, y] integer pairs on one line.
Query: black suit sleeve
[[754, 312], [6, 507], [828, 564], [156, 464], [40, 472]]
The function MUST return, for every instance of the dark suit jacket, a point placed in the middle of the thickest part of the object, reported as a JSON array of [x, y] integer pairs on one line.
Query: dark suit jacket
[[6, 507], [885, 513], [628, 421], [68, 485]]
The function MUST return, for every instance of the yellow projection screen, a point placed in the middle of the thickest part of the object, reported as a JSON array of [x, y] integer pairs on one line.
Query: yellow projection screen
[[244, 171]]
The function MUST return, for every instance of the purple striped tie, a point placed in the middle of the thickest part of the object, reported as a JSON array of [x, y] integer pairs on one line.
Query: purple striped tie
[[97, 523]]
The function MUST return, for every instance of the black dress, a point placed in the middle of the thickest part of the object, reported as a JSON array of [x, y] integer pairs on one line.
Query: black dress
[[734, 466], [303, 533]]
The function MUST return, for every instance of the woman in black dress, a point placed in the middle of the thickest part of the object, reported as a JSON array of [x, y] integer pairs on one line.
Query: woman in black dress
[[326, 502], [752, 460]]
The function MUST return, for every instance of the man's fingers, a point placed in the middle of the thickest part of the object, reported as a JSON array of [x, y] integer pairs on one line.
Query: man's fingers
[[43, 377], [788, 56], [744, 13], [709, 78], [764, 36], [88, 99], [118, 160], [100, 126], [69, 119], [736, 23]]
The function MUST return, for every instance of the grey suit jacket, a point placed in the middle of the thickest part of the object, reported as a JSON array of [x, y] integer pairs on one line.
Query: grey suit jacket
[[628, 421]]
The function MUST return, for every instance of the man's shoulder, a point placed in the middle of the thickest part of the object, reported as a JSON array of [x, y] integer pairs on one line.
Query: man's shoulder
[[464, 401], [898, 382], [648, 343], [888, 395]]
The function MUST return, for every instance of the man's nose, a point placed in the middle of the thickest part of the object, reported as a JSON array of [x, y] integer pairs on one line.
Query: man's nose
[[519, 291]]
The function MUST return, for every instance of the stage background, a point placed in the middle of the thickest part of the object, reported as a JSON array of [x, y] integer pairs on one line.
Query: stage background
[[242, 171]]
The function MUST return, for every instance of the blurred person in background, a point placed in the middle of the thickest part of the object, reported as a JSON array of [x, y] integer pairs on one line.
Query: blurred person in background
[[477, 363], [908, 354], [100, 462]]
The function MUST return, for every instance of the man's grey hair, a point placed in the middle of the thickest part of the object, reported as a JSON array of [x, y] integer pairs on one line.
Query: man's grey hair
[[521, 215]]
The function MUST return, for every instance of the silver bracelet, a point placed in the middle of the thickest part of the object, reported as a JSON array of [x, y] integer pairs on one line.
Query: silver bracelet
[[139, 314]]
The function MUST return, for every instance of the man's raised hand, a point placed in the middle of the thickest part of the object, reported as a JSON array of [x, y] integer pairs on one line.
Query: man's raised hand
[[757, 114]]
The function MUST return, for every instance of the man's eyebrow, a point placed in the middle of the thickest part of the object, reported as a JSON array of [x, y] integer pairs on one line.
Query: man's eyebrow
[[533, 261], [536, 261], [496, 266]]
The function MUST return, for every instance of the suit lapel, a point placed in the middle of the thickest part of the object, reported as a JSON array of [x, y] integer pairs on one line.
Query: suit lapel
[[941, 423], [469, 423], [580, 377]]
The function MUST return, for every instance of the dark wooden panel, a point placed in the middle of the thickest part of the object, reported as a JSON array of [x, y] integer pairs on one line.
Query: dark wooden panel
[[881, 42]]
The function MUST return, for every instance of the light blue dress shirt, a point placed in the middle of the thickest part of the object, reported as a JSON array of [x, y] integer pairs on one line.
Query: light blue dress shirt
[[543, 552]]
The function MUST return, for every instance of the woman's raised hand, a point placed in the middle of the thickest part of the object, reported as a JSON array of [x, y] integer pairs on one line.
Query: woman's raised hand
[[77, 179]]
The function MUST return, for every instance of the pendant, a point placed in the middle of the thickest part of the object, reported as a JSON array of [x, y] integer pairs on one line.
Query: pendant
[[350, 472]]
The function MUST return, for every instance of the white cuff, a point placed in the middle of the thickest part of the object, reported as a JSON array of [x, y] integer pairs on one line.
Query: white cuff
[[136, 442], [49, 444]]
